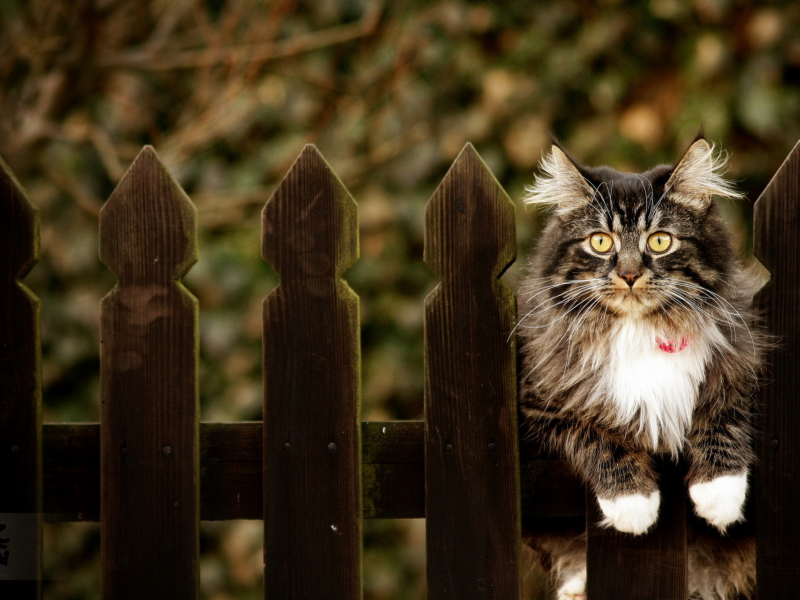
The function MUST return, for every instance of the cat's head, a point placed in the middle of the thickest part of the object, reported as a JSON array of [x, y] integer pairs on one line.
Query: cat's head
[[641, 243]]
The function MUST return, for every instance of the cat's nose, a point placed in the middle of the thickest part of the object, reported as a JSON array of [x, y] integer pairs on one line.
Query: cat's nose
[[630, 276]]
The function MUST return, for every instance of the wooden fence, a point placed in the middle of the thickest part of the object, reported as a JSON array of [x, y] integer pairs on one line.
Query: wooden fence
[[312, 470]]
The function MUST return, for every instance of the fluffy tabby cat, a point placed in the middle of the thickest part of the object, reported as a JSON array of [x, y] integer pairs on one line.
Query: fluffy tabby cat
[[635, 342]]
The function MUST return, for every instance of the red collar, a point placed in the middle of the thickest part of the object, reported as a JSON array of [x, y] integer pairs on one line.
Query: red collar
[[672, 346]]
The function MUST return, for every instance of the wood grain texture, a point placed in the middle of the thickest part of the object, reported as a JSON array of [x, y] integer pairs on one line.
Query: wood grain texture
[[312, 442], [471, 458], [393, 473], [71, 478], [653, 566], [551, 490], [776, 226], [20, 397], [231, 471], [148, 376], [393, 469]]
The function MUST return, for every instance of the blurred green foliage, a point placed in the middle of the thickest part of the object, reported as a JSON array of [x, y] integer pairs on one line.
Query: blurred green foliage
[[229, 92]]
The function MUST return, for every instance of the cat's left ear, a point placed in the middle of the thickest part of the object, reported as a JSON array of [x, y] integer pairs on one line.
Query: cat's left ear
[[698, 177]]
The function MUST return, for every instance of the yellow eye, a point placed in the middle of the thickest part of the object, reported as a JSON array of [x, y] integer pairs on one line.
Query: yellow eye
[[659, 242], [601, 242]]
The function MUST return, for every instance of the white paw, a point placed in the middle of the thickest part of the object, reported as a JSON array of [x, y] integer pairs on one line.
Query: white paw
[[632, 514], [720, 500], [574, 588]]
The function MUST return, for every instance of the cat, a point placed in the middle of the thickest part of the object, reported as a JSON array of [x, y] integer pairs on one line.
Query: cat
[[636, 342]]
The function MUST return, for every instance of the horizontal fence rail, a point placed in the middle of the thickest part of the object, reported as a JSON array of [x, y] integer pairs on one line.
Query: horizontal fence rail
[[392, 473], [150, 472]]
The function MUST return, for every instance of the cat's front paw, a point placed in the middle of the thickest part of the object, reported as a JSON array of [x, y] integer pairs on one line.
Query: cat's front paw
[[634, 514], [720, 500], [574, 588]]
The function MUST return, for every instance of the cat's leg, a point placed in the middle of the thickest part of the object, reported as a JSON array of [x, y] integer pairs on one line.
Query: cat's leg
[[721, 567], [574, 587], [562, 554], [720, 452], [621, 477]]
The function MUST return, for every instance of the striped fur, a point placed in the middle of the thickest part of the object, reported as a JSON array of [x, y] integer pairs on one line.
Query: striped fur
[[595, 385]]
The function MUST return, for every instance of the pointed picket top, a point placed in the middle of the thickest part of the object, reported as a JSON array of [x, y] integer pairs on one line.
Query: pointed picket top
[[776, 221], [310, 222], [470, 390], [20, 396], [19, 246], [148, 389], [778, 209], [312, 418], [148, 227], [469, 222]]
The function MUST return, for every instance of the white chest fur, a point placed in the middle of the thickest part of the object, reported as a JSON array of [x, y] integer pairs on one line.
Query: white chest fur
[[658, 387]]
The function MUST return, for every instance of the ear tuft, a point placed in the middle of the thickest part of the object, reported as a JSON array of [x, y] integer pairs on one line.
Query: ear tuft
[[559, 184], [699, 177]]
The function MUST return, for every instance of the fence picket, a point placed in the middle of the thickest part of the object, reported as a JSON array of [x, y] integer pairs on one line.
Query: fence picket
[[626, 567], [312, 443], [776, 223], [148, 374], [471, 450], [20, 398]]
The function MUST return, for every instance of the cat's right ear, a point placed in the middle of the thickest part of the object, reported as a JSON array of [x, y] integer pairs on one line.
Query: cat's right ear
[[559, 184]]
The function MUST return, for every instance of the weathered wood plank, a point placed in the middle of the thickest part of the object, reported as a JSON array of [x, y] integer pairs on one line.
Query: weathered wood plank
[[471, 460], [391, 442], [71, 478], [20, 397], [393, 473], [312, 442], [626, 567], [775, 230], [148, 375], [231, 471], [393, 469], [393, 491], [550, 490]]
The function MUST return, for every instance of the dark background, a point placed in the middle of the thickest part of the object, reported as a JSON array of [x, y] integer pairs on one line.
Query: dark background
[[229, 92]]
